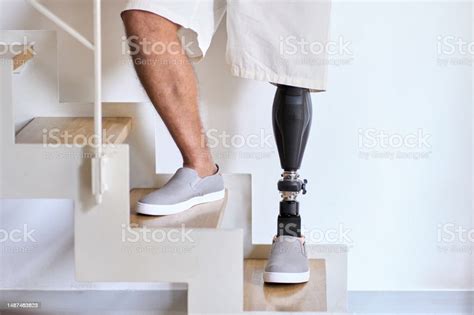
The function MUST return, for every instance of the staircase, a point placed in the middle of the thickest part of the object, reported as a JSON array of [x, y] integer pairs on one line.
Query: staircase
[[217, 261]]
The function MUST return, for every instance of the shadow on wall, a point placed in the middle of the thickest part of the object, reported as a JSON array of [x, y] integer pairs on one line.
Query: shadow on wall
[[218, 89], [222, 96]]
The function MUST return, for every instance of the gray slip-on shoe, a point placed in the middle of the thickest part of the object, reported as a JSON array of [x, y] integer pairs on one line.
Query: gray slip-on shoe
[[288, 261], [183, 191]]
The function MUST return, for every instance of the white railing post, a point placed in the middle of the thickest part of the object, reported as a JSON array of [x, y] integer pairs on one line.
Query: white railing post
[[98, 164], [98, 181]]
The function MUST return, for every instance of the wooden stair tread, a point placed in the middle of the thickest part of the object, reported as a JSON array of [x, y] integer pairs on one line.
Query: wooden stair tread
[[306, 297], [206, 215], [64, 129], [22, 58]]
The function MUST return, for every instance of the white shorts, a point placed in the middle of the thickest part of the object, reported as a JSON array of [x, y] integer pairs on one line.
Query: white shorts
[[278, 41]]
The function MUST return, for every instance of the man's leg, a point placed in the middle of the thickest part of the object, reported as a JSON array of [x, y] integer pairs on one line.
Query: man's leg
[[170, 82]]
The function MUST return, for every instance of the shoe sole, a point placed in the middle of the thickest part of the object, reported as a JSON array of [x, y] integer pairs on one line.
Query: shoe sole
[[286, 277], [151, 209]]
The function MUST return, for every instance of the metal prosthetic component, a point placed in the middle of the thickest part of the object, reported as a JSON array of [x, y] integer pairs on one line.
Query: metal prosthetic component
[[292, 113]]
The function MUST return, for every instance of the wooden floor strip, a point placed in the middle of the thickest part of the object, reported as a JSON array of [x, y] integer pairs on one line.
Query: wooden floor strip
[[307, 297]]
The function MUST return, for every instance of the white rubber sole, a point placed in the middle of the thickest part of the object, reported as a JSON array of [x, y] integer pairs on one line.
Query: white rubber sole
[[151, 209], [286, 277]]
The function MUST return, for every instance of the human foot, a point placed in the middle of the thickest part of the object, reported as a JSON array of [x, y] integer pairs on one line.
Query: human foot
[[183, 191], [288, 261]]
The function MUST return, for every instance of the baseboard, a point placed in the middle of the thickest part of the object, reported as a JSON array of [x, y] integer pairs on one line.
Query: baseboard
[[414, 302], [116, 302]]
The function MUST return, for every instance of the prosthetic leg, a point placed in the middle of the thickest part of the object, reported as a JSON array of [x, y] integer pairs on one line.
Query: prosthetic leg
[[292, 113]]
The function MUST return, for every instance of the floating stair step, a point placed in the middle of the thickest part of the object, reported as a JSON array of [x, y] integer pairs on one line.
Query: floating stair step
[[206, 215], [73, 130], [306, 297], [22, 58]]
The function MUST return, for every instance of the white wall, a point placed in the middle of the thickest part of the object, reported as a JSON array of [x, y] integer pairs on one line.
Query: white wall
[[392, 81]]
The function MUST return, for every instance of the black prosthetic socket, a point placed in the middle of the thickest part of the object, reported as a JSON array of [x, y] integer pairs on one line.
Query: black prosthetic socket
[[292, 113]]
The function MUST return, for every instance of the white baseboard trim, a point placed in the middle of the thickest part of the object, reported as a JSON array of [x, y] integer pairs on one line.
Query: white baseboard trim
[[113, 302], [412, 302]]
